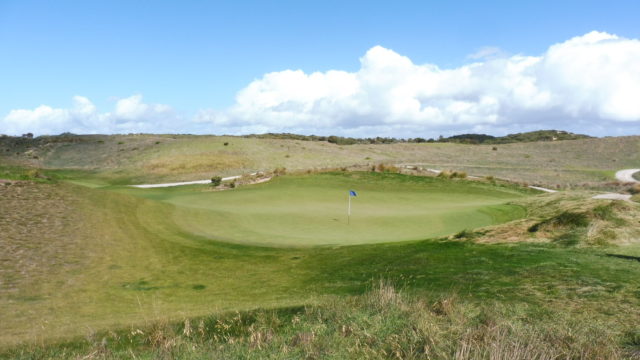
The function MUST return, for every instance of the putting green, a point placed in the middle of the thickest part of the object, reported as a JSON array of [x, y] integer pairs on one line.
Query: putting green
[[305, 210]]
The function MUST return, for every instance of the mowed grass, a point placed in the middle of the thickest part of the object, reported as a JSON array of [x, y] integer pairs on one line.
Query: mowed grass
[[304, 210], [134, 264]]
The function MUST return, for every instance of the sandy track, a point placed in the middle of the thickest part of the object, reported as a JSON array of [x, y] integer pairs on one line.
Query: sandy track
[[627, 175], [208, 181], [613, 196]]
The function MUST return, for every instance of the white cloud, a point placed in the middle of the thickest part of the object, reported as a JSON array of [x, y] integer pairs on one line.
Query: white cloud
[[590, 83], [582, 84], [131, 115]]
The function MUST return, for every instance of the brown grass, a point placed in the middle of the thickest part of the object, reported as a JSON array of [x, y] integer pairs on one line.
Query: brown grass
[[196, 163], [382, 324], [585, 163], [39, 229], [616, 227]]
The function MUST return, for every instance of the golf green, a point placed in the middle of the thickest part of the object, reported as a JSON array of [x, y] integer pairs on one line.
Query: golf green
[[303, 210]]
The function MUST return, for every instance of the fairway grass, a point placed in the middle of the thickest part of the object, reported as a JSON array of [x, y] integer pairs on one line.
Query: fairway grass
[[121, 262], [306, 210]]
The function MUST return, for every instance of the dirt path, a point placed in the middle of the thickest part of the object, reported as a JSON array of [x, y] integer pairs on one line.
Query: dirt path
[[543, 189], [622, 175], [627, 175], [613, 196], [196, 182]]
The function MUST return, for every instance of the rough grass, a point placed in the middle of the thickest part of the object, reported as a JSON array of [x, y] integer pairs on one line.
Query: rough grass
[[199, 163], [386, 322], [123, 158], [570, 219]]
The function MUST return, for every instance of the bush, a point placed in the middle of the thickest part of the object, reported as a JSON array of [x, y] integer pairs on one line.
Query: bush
[[279, 171], [567, 219], [226, 144], [635, 189], [33, 174], [386, 168], [603, 212], [216, 181], [448, 174], [445, 174]]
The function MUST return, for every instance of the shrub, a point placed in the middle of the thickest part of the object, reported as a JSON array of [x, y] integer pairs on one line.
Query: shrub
[[448, 174], [569, 238], [279, 171], [603, 212], [445, 174], [635, 189], [216, 180], [33, 174], [387, 168], [226, 144], [494, 148], [567, 219]]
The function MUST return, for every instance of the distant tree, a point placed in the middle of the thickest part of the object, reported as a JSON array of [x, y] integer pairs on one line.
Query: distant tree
[[216, 180], [28, 135]]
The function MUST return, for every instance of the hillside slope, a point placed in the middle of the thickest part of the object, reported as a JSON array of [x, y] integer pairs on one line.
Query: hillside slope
[[127, 159], [75, 259]]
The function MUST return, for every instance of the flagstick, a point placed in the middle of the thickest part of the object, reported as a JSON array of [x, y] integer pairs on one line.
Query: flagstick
[[349, 211]]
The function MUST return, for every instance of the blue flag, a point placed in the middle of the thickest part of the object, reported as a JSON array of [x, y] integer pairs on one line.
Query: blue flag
[[352, 193]]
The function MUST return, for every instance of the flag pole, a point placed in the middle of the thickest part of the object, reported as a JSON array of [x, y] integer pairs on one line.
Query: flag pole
[[349, 210]]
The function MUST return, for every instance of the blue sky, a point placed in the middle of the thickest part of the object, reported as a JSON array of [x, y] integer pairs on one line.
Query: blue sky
[[196, 56]]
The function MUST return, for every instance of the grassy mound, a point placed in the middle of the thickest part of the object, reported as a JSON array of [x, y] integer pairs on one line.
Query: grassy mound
[[308, 210], [570, 219]]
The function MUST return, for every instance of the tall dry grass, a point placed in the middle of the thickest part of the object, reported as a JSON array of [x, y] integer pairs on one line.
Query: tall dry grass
[[384, 323]]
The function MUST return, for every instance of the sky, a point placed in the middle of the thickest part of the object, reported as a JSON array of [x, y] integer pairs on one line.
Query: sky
[[357, 68]]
